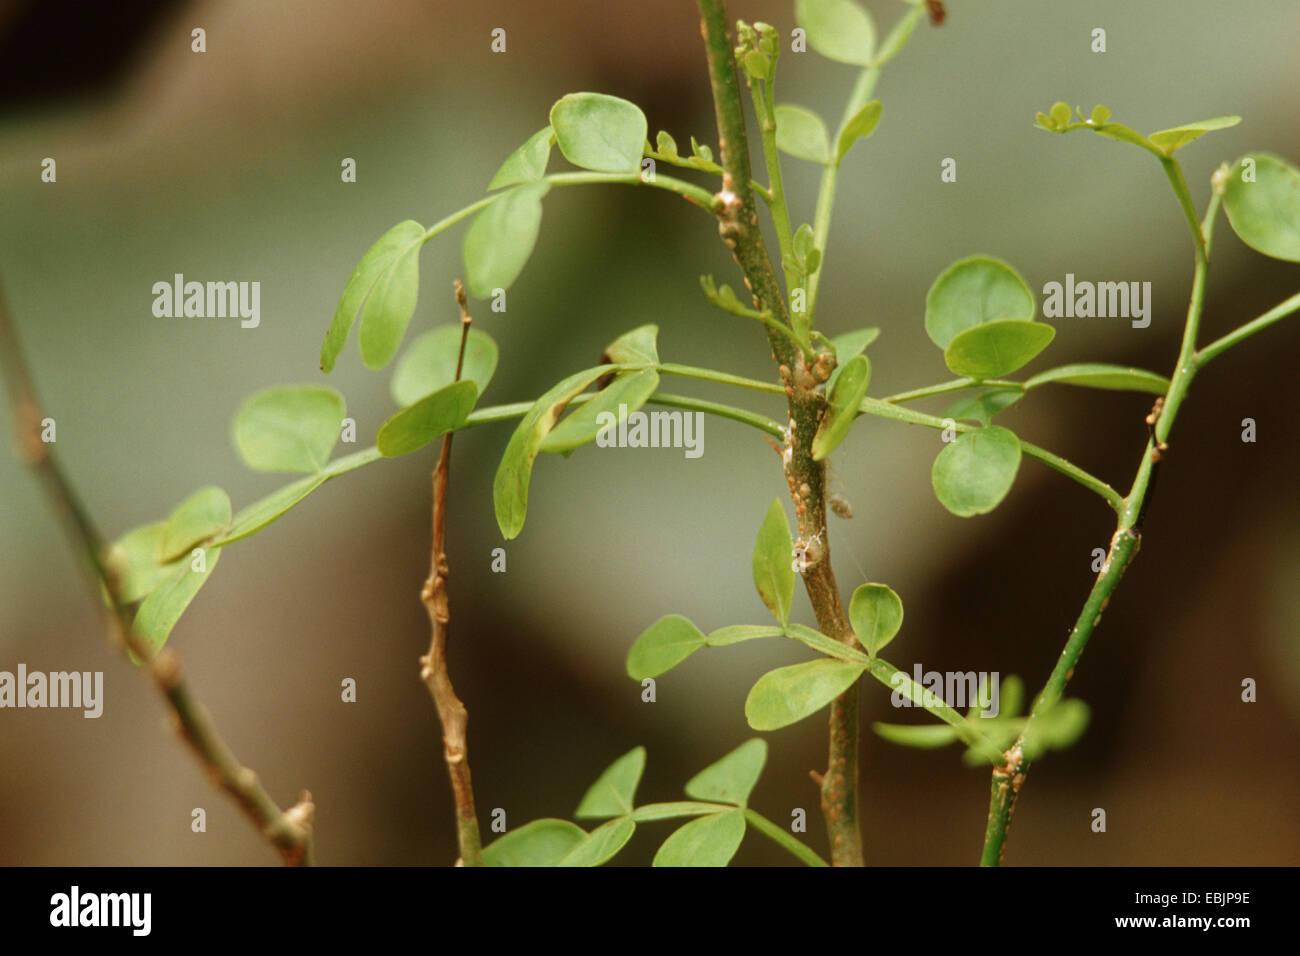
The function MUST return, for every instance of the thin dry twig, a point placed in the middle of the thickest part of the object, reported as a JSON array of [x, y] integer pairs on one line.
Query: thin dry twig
[[290, 831], [433, 665]]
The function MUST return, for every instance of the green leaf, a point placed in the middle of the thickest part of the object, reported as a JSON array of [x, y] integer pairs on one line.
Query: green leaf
[[708, 841], [1011, 697], [773, 573], [614, 792], [702, 152], [1265, 213], [540, 843], [135, 560], [666, 144], [1119, 378], [846, 395], [431, 417], [805, 248], [599, 132], [430, 363], [971, 292], [386, 282], [292, 428], [997, 348], [852, 343], [801, 133], [164, 607], [731, 779], [789, 694], [197, 518], [662, 646], [736, 633], [501, 238], [601, 844], [861, 125], [1060, 114], [1100, 114], [611, 405], [975, 472], [1056, 728], [1170, 140], [757, 65], [922, 736], [527, 163], [634, 348], [510, 486], [839, 30], [984, 406], [261, 513], [876, 613]]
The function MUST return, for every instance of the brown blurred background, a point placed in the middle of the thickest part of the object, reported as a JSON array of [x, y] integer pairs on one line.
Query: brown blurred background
[[226, 166]]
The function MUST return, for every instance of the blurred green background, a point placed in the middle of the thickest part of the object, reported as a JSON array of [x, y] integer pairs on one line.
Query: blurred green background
[[225, 166]]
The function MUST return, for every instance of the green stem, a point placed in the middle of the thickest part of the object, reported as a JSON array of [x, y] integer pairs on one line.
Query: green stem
[[1010, 775], [689, 191], [778, 836], [1219, 346], [722, 411], [1185, 371], [765, 110], [722, 378], [956, 385], [499, 413], [1008, 778], [1174, 173], [862, 90]]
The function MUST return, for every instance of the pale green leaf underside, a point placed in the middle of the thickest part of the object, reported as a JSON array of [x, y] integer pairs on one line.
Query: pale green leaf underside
[[540, 843], [732, 778], [839, 30], [292, 428], [382, 282], [971, 292], [501, 238], [846, 394], [773, 574], [801, 133], [527, 163], [974, 473], [198, 517], [431, 417], [510, 486], [599, 132], [997, 348], [430, 363], [789, 694], [614, 792], [662, 646], [708, 841], [1265, 213]]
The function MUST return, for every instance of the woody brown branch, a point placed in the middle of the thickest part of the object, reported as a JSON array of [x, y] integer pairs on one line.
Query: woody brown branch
[[433, 665], [290, 832]]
